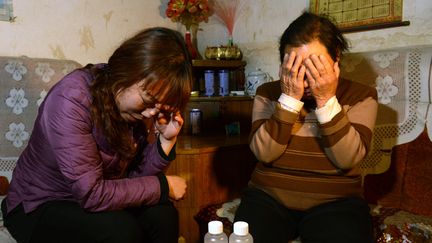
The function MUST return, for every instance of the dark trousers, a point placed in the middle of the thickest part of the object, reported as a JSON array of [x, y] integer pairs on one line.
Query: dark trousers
[[346, 220], [64, 222]]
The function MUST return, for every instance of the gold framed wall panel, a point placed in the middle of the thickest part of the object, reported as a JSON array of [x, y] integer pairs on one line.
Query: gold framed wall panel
[[6, 10], [357, 15]]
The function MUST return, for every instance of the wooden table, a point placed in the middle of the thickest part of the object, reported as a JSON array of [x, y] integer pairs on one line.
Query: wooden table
[[216, 168]]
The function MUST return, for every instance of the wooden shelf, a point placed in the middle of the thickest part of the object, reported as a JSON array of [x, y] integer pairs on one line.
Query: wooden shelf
[[216, 64], [220, 98]]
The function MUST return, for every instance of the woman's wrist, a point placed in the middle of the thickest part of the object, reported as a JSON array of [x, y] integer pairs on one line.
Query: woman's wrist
[[167, 144], [173, 140]]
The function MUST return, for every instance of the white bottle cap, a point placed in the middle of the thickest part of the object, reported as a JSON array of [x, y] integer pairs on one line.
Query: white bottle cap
[[241, 228], [215, 227]]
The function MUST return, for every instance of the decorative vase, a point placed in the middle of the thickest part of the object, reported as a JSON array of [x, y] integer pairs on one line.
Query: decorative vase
[[194, 35], [190, 46], [191, 40]]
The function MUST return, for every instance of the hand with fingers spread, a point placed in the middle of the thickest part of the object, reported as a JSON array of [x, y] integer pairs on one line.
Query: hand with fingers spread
[[322, 78], [292, 74]]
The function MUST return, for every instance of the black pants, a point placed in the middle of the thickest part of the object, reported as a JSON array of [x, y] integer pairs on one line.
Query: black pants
[[342, 221], [64, 222]]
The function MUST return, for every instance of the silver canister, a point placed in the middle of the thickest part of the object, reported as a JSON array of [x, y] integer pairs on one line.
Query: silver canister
[[209, 83], [223, 82], [195, 121]]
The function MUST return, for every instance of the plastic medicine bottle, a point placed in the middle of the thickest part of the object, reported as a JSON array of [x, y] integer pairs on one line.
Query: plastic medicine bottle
[[241, 233], [215, 233]]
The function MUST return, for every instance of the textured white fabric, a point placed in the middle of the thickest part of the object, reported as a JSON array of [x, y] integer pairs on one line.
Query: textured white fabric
[[402, 79], [24, 83]]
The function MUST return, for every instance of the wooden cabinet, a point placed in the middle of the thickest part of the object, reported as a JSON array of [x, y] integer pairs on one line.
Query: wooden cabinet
[[216, 169], [219, 111], [216, 166]]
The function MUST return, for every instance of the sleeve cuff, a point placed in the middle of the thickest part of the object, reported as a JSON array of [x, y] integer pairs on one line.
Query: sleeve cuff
[[289, 103], [328, 111], [172, 154], [164, 188]]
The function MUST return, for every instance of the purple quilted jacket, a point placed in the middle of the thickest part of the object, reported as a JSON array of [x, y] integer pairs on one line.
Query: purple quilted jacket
[[68, 159]]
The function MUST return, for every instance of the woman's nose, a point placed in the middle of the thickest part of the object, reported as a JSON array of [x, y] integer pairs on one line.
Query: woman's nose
[[150, 112]]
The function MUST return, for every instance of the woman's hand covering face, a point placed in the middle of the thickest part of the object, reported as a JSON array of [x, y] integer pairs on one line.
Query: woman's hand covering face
[[308, 71], [322, 78], [168, 123], [292, 74]]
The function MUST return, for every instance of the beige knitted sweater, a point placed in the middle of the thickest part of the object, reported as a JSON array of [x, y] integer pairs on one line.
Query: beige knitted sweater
[[304, 163]]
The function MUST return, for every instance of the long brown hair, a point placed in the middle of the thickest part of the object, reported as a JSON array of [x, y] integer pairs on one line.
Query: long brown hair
[[155, 54]]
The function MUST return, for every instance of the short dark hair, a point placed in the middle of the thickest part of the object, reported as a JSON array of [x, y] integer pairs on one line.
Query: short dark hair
[[309, 27]]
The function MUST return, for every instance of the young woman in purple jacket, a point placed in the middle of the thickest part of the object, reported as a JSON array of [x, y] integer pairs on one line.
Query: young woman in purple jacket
[[93, 170]]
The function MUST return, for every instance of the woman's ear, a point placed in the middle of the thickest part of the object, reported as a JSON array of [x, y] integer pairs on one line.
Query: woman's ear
[[338, 55], [336, 68]]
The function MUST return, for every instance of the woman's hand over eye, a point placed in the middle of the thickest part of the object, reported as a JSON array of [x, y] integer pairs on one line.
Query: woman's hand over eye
[[292, 74], [322, 77], [169, 124]]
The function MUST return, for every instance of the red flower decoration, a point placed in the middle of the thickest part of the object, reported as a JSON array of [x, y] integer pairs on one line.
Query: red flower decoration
[[188, 12]]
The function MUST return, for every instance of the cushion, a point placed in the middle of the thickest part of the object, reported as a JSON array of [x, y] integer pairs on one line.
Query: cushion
[[407, 184], [395, 225], [4, 185], [417, 183]]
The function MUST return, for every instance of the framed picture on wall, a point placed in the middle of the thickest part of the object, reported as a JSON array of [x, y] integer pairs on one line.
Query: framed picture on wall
[[360, 15], [6, 13]]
